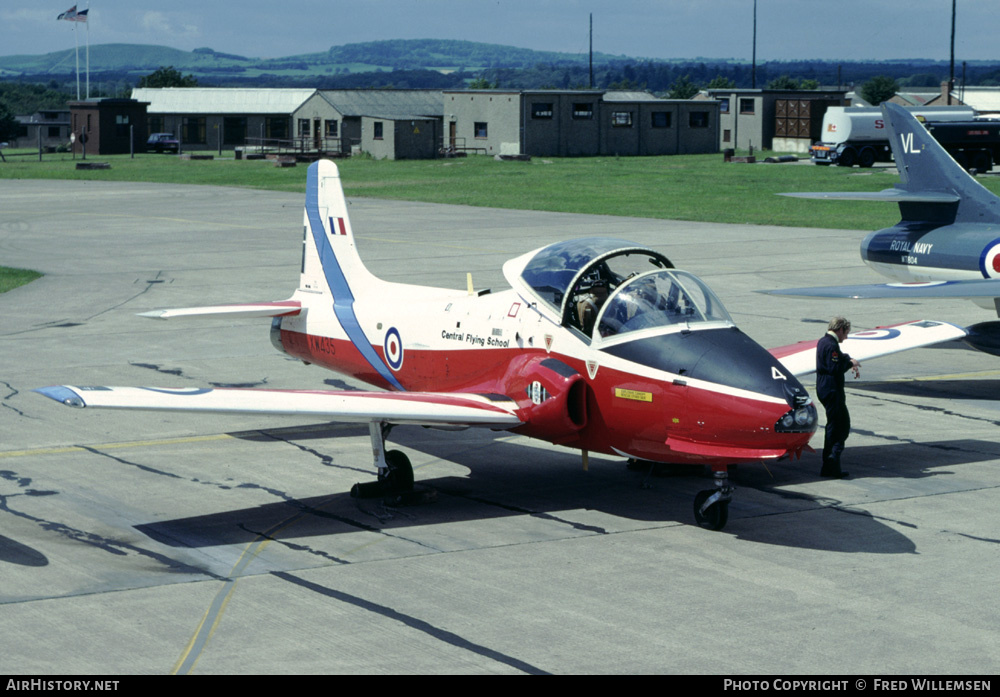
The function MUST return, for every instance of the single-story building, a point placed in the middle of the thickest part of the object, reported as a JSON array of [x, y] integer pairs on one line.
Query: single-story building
[[207, 118], [568, 123], [108, 126], [783, 120], [389, 124], [396, 124], [985, 100], [49, 128]]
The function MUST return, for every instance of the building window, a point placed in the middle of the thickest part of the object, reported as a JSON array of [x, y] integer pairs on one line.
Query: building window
[[541, 110], [661, 119], [193, 130], [331, 128], [276, 127], [727, 135], [480, 129], [234, 130], [53, 131], [378, 130], [723, 105], [155, 124], [621, 119], [583, 110], [121, 125], [746, 106], [698, 119], [303, 127]]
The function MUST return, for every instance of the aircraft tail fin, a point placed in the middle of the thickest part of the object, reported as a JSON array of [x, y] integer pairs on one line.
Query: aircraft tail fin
[[927, 170], [330, 259]]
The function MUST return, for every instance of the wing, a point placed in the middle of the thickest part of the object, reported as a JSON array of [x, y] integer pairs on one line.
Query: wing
[[420, 408], [800, 358], [283, 308], [971, 288]]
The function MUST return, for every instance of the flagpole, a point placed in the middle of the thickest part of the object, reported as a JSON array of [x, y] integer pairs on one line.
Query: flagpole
[[87, 22], [76, 40]]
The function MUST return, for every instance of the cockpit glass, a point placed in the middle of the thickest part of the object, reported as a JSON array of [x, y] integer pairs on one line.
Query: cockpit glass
[[551, 272], [658, 299]]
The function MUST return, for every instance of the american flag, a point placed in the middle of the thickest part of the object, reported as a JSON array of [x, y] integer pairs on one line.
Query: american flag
[[72, 15]]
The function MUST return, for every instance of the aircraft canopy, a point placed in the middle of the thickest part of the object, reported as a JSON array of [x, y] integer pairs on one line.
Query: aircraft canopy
[[616, 286], [657, 299]]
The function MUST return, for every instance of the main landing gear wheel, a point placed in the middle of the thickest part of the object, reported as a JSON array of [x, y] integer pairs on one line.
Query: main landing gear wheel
[[395, 474], [398, 475], [711, 506]]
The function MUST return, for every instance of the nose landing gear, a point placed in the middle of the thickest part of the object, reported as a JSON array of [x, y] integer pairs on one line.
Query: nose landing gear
[[711, 506]]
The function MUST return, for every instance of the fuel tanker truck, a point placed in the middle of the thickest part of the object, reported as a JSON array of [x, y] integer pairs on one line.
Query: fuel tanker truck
[[857, 136]]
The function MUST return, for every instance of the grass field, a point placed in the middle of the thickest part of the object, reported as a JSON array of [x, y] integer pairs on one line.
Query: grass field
[[679, 187], [12, 278]]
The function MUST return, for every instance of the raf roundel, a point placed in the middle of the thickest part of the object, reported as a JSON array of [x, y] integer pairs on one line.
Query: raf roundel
[[393, 349], [880, 334], [989, 262]]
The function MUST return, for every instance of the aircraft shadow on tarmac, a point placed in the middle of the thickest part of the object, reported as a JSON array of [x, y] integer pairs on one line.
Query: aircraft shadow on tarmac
[[14, 552], [509, 479]]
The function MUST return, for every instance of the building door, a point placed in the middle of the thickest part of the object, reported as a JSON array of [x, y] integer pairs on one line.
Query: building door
[[317, 135], [451, 135]]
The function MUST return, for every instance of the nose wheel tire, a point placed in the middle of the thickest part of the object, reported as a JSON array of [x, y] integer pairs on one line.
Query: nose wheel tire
[[711, 506], [711, 515]]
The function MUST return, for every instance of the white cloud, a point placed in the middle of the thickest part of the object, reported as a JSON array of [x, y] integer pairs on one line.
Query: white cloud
[[166, 26]]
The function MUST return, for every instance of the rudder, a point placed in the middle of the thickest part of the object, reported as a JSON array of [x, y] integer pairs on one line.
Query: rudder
[[925, 167], [330, 260]]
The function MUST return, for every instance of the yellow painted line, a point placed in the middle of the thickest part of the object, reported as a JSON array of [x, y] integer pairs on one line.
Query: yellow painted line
[[179, 440], [114, 446], [213, 615]]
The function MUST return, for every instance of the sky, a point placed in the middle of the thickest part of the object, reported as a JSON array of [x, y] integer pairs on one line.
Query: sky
[[786, 29]]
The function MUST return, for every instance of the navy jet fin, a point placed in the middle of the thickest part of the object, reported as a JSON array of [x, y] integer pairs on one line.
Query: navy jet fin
[[932, 187], [925, 166]]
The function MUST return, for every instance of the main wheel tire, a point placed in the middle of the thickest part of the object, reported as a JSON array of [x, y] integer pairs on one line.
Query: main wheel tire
[[715, 516], [400, 474], [848, 158], [982, 162], [866, 158]]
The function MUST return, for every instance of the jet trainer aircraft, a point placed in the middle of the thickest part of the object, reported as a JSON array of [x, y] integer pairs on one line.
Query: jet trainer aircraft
[[947, 243], [599, 345]]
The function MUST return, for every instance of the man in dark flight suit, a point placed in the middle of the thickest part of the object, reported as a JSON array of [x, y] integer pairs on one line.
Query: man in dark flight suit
[[831, 365]]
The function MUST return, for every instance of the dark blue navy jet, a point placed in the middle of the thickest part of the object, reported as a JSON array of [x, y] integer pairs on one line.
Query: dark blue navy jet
[[947, 243]]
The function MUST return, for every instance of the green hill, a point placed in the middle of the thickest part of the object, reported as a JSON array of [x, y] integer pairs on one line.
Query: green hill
[[444, 64], [415, 54]]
